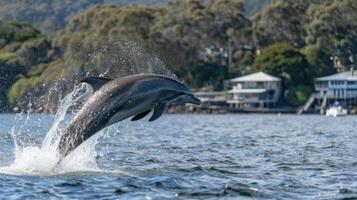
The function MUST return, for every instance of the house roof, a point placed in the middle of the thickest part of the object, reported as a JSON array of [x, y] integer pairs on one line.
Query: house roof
[[343, 76], [259, 76]]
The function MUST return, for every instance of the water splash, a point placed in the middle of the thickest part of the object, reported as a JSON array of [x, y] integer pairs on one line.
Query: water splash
[[115, 59], [80, 94], [42, 159], [107, 58]]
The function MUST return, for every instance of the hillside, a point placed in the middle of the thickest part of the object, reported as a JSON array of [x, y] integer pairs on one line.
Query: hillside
[[201, 43], [49, 16], [22, 50]]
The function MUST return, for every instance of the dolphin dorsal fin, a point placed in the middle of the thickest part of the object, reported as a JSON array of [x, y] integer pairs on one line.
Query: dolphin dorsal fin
[[158, 111], [95, 82], [140, 115]]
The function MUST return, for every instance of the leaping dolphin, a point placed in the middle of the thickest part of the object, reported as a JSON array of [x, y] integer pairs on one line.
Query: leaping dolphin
[[115, 100]]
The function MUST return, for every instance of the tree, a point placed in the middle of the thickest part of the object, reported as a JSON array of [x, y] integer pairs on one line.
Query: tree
[[319, 59], [284, 61], [22, 46], [178, 33], [281, 21], [187, 28], [333, 26], [298, 95], [208, 74]]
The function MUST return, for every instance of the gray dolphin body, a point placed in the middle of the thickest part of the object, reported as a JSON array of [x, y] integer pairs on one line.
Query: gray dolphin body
[[119, 99]]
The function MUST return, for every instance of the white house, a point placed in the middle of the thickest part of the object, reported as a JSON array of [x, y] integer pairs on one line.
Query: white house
[[258, 90], [340, 87]]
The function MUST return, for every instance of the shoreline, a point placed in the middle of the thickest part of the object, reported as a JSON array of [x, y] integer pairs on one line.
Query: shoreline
[[182, 109]]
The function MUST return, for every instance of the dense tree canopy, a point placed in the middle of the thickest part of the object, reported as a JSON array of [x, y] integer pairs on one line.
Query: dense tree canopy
[[281, 21], [329, 24], [319, 59], [202, 42], [334, 26], [179, 33], [52, 15], [21, 48], [284, 61]]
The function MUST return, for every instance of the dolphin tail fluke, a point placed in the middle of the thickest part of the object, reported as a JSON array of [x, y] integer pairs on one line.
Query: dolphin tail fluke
[[158, 111], [140, 115]]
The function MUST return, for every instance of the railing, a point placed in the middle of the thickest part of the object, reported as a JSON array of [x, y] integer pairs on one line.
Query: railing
[[260, 87], [332, 96], [307, 105], [251, 100]]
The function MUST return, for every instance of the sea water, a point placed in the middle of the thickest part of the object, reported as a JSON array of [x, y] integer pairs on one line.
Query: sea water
[[187, 157]]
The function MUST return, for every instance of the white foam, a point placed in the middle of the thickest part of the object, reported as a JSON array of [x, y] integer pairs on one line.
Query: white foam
[[43, 160], [32, 161]]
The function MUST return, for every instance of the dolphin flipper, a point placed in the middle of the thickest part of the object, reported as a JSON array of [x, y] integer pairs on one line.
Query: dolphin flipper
[[95, 82], [158, 111], [140, 115]]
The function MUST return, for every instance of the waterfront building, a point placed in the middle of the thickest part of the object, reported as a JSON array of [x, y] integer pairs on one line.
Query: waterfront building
[[212, 100], [341, 87], [254, 91]]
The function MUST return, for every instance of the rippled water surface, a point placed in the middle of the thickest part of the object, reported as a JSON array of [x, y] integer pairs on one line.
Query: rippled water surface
[[198, 157]]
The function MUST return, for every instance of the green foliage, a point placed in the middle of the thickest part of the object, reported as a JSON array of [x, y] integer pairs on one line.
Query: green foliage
[[7, 56], [242, 62], [33, 52], [21, 48], [50, 16], [284, 61], [298, 95], [6, 33], [37, 70], [26, 34], [178, 32], [208, 74], [11, 31], [21, 86], [17, 24], [296, 39], [329, 24], [281, 21], [11, 47], [333, 26], [319, 60]]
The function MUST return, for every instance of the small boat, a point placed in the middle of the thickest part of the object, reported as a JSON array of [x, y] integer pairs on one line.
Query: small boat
[[336, 110]]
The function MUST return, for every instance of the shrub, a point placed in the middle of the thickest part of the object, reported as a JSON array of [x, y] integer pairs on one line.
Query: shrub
[[37, 70], [7, 56], [26, 34], [21, 86], [298, 95]]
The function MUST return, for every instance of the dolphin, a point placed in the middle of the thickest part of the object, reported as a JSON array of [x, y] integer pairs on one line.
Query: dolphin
[[115, 100]]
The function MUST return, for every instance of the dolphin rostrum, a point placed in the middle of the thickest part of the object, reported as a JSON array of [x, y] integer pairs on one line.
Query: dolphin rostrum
[[115, 100]]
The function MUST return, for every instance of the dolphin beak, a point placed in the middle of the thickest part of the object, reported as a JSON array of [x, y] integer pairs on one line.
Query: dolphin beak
[[189, 98]]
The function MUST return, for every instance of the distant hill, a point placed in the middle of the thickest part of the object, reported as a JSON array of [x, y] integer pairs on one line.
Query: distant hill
[[51, 15]]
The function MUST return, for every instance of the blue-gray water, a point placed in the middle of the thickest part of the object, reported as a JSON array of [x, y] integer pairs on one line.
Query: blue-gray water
[[200, 157]]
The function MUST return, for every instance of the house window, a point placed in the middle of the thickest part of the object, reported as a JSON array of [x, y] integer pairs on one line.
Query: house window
[[260, 84]]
